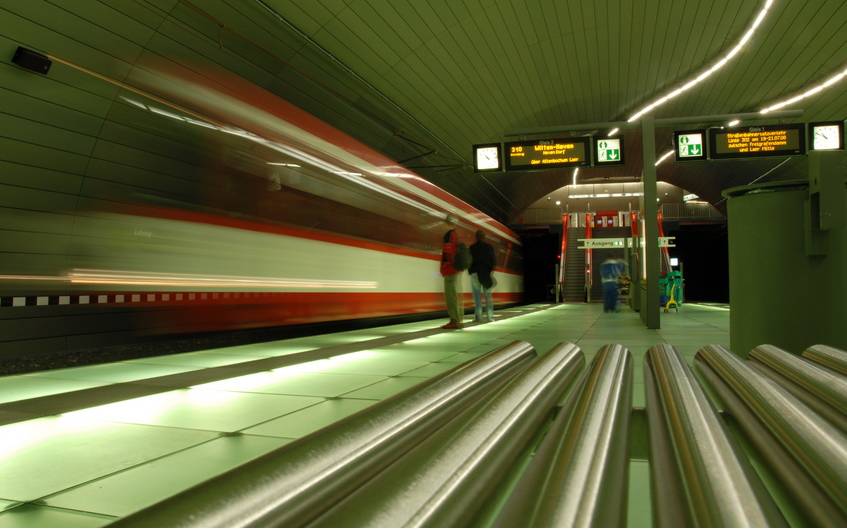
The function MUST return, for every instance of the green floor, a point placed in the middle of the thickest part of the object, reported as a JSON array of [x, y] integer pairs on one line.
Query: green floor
[[86, 467]]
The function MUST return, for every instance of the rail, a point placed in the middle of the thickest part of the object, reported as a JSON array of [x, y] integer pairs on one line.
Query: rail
[[829, 357], [699, 478], [583, 481], [808, 453], [820, 389], [444, 481], [296, 483]]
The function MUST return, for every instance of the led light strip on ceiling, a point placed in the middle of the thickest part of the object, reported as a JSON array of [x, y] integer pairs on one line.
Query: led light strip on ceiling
[[606, 195], [705, 74], [663, 157], [808, 93]]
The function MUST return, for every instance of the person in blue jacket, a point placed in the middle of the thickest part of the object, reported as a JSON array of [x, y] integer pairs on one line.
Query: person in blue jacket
[[482, 279], [610, 271]]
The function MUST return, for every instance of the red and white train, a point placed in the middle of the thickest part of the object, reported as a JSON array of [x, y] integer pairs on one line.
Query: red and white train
[[264, 215]]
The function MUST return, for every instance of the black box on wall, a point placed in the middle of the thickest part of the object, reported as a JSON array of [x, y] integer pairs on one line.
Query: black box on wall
[[31, 60]]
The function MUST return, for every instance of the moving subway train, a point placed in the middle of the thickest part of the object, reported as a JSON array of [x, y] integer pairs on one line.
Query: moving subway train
[[211, 204]]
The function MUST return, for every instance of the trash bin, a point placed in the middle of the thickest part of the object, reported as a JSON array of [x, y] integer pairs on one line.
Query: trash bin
[[778, 293]]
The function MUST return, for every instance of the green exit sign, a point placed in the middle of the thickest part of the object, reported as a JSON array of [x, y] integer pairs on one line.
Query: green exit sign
[[690, 144], [608, 151]]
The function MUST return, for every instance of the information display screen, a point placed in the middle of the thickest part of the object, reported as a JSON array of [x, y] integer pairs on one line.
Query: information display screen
[[754, 142], [547, 154]]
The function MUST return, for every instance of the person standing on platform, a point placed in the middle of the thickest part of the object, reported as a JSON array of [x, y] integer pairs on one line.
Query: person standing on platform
[[610, 271], [482, 282], [452, 276]]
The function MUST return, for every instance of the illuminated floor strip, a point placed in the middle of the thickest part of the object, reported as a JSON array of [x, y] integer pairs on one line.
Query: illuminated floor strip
[[227, 363]]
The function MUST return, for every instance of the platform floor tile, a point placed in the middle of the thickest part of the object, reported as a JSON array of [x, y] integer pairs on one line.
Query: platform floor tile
[[113, 373], [40, 516], [261, 350], [17, 387], [410, 352], [429, 370], [385, 388], [459, 358], [133, 489], [287, 381], [196, 360], [308, 420], [639, 513], [201, 409], [44, 456], [372, 363]]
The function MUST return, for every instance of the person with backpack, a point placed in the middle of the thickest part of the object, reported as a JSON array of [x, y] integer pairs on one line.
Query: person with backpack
[[455, 259], [482, 282]]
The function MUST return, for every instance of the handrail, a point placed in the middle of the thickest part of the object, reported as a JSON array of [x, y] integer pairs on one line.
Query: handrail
[[820, 389], [293, 484], [829, 357], [718, 488], [816, 445], [585, 482], [444, 480]]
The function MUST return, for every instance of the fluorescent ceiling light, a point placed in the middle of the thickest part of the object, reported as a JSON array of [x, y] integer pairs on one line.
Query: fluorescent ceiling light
[[808, 93], [613, 132], [133, 102], [575, 172], [705, 74], [605, 195], [558, 202], [733, 123], [663, 157], [283, 164], [163, 112]]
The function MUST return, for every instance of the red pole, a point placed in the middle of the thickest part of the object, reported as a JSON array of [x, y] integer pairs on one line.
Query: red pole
[[565, 220], [666, 258], [589, 223]]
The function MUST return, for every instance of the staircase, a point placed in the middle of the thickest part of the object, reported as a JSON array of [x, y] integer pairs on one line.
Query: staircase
[[575, 267]]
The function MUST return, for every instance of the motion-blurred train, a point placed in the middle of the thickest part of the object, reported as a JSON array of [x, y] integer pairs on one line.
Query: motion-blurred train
[[218, 205]]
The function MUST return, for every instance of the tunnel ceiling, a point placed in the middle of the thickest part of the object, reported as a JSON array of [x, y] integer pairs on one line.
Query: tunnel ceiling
[[439, 76]]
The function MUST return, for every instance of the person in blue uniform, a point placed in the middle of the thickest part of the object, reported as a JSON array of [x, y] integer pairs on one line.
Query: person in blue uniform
[[610, 272], [482, 280]]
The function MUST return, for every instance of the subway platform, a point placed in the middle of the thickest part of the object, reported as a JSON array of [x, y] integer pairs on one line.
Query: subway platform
[[75, 452]]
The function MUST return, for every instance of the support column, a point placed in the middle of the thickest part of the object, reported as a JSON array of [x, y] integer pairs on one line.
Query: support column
[[650, 301]]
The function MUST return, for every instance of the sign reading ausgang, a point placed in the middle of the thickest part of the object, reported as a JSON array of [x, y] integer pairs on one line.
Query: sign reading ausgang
[[754, 142], [690, 145], [618, 242], [608, 151], [547, 154]]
